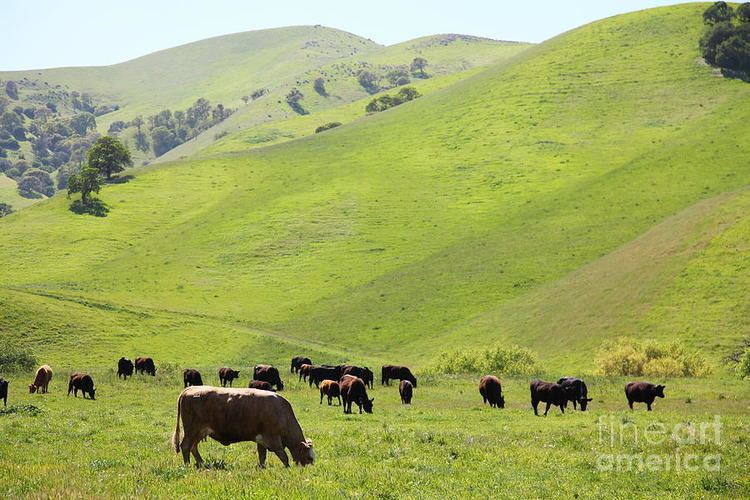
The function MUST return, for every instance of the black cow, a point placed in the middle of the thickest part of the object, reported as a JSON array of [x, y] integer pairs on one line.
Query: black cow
[[491, 391], [145, 365], [227, 375], [270, 374], [192, 377], [364, 373], [643, 392], [576, 391], [354, 390], [260, 384], [298, 361], [393, 372], [405, 390], [4, 391], [81, 382], [124, 368], [547, 392], [324, 372]]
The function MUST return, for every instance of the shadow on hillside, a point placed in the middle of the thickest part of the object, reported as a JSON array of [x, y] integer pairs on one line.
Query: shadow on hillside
[[95, 207], [736, 75], [121, 179]]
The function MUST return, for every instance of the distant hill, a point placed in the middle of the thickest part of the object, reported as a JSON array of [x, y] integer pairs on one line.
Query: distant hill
[[589, 187]]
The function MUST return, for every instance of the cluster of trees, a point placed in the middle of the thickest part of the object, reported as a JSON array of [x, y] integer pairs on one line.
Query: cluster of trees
[[255, 94], [56, 143], [106, 157], [327, 126], [166, 130], [5, 210], [388, 101], [293, 99], [396, 77], [320, 86], [726, 43]]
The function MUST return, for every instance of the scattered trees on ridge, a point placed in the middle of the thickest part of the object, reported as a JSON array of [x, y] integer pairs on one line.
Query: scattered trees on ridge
[[726, 44]]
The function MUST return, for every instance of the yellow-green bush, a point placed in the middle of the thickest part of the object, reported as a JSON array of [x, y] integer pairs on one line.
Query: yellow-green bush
[[627, 356], [509, 360], [743, 366]]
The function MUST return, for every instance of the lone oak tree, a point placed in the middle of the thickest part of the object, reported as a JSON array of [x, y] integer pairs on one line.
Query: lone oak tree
[[109, 156]]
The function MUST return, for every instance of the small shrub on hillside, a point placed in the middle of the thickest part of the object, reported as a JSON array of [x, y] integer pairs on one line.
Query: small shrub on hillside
[[743, 366], [512, 360], [15, 358], [630, 357], [327, 126]]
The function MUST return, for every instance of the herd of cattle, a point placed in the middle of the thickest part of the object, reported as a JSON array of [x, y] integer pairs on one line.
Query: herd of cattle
[[258, 414]]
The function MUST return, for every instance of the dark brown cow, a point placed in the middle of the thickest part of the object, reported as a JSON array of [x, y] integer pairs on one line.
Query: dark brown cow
[[270, 374], [145, 365], [364, 373], [237, 415], [41, 380], [393, 372], [125, 368], [405, 390], [192, 377], [491, 391], [324, 372], [81, 382], [643, 392], [261, 385], [298, 361], [4, 391], [354, 390], [550, 393], [228, 375], [330, 389], [304, 372]]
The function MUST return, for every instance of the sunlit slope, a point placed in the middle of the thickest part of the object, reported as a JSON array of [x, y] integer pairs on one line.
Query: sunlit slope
[[403, 234], [270, 120], [221, 69]]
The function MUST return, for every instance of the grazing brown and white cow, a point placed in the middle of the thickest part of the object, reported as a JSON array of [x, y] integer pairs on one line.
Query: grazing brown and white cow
[[393, 372], [192, 377], [324, 372], [405, 390], [298, 361], [643, 392], [364, 373], [81, 382], [145, 365], [228, 375], [304, 372], [124, 368], [330, 389], [237, 415], [4, 391], [491, 391], [270, 374], [41, 380], [576, 391], [260, 384], [550, 393], [354, 390]]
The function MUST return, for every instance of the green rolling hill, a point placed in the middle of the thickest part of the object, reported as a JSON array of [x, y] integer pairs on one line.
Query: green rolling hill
[[589, 187]]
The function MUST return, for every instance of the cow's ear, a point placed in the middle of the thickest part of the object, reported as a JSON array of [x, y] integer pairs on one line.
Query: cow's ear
[[373, 399]]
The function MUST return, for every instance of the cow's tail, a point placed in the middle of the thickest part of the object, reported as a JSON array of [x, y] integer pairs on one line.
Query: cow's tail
[[176, 435]]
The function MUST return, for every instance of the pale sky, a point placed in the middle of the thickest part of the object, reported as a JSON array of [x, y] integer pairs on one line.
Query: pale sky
[[50, 33]]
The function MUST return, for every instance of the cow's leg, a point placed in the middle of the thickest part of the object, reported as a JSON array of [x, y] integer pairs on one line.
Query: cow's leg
[[547, 409], [574, 405], [648, 405], [196, 455], [339, 397], [562, 408], [282, 456], [185, 447], [535, 403], [321, 397], [262, 451], [630, 404]]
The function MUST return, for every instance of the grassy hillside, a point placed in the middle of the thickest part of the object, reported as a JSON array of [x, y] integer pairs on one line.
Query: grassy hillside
[[446, 222]]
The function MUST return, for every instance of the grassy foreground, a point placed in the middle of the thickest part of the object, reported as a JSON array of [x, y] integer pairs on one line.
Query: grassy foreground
[[445, 445]]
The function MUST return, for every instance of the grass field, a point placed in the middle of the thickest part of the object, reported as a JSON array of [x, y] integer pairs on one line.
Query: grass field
[[445, 444]]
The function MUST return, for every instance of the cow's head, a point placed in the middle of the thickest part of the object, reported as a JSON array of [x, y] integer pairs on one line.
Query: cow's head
[[32, 389], [235, 374], [280, 385], [92, 393], [501, 402], [153, 372], [304, 454], [584, 403], [659, 391], [414, 381], [367, 405]]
